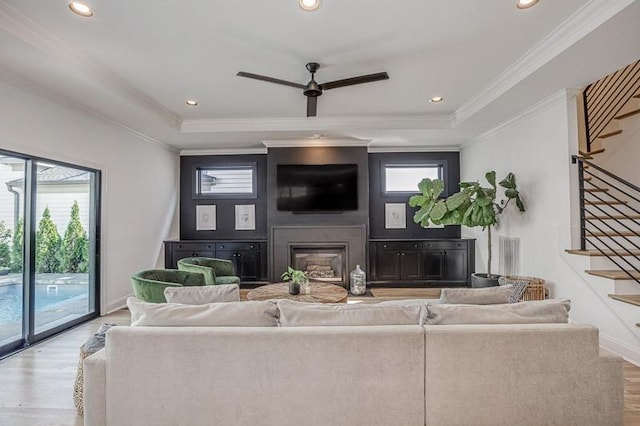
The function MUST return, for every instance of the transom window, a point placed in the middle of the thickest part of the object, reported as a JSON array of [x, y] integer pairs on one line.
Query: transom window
[[226, 181], [405, 177]]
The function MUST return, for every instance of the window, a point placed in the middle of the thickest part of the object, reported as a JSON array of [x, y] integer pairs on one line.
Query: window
[[238, 181], [404, 178]]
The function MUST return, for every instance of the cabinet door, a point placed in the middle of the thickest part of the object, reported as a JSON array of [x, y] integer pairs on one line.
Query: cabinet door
[[432, 261], [411, 265], [248, 265], [455, 266], [388, 264]]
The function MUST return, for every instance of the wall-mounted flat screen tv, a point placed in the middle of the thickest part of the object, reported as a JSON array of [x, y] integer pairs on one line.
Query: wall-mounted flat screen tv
[[317, 188]]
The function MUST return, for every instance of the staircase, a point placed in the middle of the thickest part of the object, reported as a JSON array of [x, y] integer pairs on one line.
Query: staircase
[[609, 204]]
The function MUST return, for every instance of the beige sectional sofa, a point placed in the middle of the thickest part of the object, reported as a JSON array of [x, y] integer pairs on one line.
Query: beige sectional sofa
[[412, 374]]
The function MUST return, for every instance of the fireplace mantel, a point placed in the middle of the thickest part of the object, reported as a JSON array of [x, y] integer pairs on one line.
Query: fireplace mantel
[[353, 237]]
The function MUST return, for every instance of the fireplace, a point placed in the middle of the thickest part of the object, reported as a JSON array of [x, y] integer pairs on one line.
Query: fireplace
[[329, 251], [321, 263]]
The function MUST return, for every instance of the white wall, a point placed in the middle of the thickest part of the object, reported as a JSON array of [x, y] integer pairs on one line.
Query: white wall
[[139, 180], [537, 146]]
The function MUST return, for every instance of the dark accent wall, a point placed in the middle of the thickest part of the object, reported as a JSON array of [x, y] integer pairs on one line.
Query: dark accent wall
[[450, 162], [225, 207], [318, 155]]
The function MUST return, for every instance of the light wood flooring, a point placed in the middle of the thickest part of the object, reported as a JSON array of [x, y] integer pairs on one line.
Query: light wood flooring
[[36, 385]]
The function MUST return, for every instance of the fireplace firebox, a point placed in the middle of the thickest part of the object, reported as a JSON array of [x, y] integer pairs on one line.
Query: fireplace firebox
[[321, 263]]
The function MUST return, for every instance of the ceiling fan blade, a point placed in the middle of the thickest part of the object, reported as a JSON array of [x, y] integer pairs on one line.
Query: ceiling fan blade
[[355, 80], [312, 106], [270, 79]]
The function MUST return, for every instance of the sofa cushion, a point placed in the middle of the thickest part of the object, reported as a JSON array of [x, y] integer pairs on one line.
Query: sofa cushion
[[532, 312], [202, 295], [477, 296], [242, 314], [294, 313]]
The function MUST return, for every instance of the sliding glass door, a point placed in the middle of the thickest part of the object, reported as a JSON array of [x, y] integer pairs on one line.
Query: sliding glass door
[[51, 281]]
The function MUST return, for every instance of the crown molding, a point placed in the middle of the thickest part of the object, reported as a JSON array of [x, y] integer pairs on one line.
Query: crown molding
[[315, 143], [73, 105], [574, 28], [409, 148], [28, 31], [313, 124], [239, 151], [549, 102]]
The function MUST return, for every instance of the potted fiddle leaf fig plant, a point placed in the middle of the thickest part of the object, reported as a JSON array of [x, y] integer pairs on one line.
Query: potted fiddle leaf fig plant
[[296, 278], [472, 206]]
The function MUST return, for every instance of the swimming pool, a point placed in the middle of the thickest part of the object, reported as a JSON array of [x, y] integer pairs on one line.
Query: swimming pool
[[47, 296]]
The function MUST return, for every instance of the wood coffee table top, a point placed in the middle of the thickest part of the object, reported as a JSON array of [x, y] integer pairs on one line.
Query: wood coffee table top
[[320, 293]]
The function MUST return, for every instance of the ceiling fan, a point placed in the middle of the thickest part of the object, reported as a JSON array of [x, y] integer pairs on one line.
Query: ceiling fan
[[312, 89]]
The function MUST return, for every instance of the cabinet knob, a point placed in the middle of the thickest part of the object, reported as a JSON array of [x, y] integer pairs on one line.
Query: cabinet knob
[[251, 246], [398, 254], [222, 246], [384, 246]]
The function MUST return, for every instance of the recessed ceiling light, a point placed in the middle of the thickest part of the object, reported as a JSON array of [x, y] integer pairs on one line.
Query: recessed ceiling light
[[81, 9], [309, 4], [524, 4], [316, 136], [192, 102], [436, 99]]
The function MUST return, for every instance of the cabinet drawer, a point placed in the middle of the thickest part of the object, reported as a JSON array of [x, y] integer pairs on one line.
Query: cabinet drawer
[[194, 246], [238, 246], [444, 245], [398, 245]]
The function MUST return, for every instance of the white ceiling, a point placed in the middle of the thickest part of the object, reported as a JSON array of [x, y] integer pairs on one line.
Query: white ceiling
[[136, 62]]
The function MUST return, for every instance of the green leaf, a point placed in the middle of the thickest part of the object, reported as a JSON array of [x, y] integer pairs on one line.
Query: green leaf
[[456, 200], [482, 200], [520, 204], [511, 193], [509, 181], [438, 187], [417, 200], [491, 178], [438, 211]]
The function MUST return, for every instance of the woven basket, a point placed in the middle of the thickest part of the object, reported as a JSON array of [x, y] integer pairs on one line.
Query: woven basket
[[536, 289]]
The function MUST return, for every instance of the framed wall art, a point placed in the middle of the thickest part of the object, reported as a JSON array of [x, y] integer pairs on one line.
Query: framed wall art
[[395, 215], [206, 217], [245, 217]]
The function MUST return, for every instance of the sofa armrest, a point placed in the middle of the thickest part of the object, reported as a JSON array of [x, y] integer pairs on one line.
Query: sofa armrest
[[611, 390], [95, 387]]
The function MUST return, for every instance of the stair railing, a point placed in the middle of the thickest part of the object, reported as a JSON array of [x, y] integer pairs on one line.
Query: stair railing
[[604, 99], [596, 223]]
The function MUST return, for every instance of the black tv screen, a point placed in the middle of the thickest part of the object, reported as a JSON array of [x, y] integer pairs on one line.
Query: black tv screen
[[312, 188]]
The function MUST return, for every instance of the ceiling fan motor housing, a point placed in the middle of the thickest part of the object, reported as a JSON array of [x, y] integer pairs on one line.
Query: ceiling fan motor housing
[[313, 89]]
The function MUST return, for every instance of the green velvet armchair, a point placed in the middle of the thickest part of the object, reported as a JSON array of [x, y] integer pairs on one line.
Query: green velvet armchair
[[215, 271], [149, 285]]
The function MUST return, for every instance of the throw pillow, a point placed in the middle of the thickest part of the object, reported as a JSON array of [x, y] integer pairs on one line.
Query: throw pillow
[[477, 296], [294, 314], [519, 286], [230, 314], [532, 312], [200, 295]]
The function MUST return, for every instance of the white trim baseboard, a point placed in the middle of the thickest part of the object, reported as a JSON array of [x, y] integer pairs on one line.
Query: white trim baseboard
[[628, 352]]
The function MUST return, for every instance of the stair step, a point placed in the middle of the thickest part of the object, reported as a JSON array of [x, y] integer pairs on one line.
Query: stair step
[[614, 217], [633, 299], [610, 134], [592, 152], [604, 203], [613, 233], [628, 114], [596, 189], [613, 274], [606, 252]]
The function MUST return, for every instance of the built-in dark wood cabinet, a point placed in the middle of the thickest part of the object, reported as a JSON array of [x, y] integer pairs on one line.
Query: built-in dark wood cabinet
[[249, 257], [432, 263]]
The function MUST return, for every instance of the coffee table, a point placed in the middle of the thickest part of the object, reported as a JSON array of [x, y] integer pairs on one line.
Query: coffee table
[[320, 293]]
